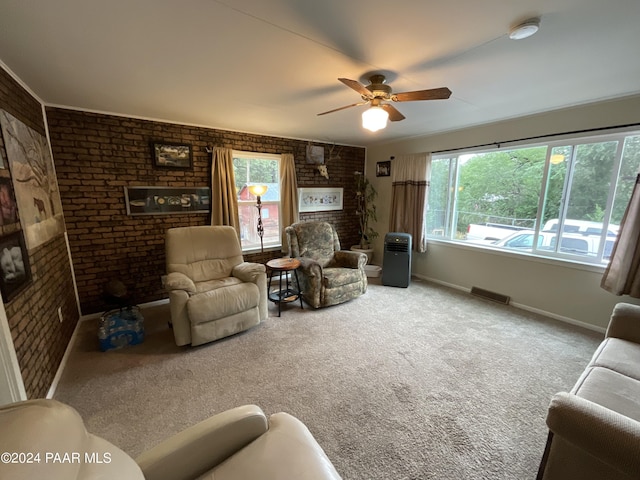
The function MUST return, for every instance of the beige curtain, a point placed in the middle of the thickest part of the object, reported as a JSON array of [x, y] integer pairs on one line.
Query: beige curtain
[[622, 275], [288, 196], [409, 180], [224, 199]]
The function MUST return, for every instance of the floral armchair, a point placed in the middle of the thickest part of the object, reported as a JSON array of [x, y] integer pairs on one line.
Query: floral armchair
[[327, 275]]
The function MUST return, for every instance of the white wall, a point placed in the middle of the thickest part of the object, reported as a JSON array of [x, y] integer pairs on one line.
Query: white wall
[[564, 291]]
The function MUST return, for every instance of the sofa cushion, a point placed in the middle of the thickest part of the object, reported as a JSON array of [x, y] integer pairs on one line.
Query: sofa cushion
[[610, 389], [214, 284], [190, 250], [622, 356], [222, 302]]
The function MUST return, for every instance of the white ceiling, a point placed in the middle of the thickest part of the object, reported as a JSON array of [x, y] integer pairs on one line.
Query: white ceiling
[[269, 66]]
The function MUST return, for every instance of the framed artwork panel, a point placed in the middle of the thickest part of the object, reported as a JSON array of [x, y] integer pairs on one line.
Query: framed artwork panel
[[171, 155], [166, 200], [320, 199], [15, 272]]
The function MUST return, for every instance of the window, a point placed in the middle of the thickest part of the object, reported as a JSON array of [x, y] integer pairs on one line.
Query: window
[[563, 199], [258, 169]]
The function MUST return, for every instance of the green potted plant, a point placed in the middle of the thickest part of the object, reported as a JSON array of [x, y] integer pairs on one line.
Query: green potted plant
[[366, 212]]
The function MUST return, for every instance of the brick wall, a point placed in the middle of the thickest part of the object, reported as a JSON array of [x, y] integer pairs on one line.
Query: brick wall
[[97, 155], [38, 336]]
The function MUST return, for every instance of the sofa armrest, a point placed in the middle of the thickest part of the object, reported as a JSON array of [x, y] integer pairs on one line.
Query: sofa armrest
[[199, 448], [248, 271], [255, 273], [604, 434], [179, 281], [625, 322], [349, 259]]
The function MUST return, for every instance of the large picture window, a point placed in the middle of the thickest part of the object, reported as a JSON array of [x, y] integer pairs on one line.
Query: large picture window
[[258, 169], [560, 199]]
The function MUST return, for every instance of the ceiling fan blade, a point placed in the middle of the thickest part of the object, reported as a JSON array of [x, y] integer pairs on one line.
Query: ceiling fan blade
[[394, 114], [431, 94], [357, 86], [342, 108]]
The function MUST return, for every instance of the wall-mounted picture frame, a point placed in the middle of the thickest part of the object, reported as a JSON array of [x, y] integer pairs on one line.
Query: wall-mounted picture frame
[[15, 272], [3, 162], [34, 181], [167, 200], [8, 206], [320, 199], [315, 154], [172, 155], [383, 169]]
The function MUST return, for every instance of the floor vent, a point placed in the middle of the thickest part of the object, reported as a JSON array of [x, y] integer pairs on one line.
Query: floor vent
[[496, 297]]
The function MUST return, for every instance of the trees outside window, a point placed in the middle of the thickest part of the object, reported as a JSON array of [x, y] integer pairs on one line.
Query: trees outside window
[[581, 186]]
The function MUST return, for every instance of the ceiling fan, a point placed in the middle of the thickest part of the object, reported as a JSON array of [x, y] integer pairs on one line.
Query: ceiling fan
[[378, 92]]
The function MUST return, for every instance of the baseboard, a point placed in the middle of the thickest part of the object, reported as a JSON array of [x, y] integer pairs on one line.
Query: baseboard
[[522, 306], [63, 362], [560, 318], [74, 335], [155, 303]]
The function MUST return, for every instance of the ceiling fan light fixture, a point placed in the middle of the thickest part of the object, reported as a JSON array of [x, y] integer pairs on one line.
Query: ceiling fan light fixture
[[524, 29], [374, 119]]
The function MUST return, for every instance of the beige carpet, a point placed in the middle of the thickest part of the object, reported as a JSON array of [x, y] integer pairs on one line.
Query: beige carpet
[[418, 383]]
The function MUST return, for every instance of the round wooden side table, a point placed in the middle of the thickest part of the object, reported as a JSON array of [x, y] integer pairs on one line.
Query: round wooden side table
[[290, 293]]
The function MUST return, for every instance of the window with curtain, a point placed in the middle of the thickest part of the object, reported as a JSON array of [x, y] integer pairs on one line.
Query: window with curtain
[[562, 199], [258, 169]]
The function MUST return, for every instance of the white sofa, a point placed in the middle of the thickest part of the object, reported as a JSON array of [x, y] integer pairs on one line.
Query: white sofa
[[49, 441], [594, 431]]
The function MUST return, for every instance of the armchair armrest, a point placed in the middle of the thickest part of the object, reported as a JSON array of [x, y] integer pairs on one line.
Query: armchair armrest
[[625, 322], [350, 259], [248, 271], [310, 267], [603, 433], [199, 448], [179, 281]]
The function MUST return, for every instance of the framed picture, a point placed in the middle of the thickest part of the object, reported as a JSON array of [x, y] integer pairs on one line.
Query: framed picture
[[8, 208], [3, 164], [315, 154], [15, 273], [166, 200], [171, 155], [320, 199], [383, 169], [34, 182]]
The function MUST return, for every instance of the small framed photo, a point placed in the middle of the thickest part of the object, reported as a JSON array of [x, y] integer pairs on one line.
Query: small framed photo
[[8, 208], [383, 169], [315, 154], [171, 155], [15, 272]]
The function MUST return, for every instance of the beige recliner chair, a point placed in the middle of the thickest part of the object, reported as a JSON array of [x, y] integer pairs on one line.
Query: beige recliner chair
[[239, 444], [328, 275], [213, 292]]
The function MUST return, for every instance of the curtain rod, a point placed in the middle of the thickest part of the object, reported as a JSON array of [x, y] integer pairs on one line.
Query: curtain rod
[[537, 137]]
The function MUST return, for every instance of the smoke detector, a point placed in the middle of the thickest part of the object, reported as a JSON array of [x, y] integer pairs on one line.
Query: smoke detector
[[524, 29]]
